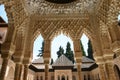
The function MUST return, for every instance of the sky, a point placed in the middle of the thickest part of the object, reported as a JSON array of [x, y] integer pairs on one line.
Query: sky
[[3, 13], [58, 41]]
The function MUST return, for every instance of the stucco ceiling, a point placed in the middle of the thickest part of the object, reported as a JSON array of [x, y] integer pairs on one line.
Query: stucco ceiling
[[43, 7]]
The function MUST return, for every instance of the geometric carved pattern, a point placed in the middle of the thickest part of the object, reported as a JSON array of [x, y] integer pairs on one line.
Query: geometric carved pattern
[[45, 7]]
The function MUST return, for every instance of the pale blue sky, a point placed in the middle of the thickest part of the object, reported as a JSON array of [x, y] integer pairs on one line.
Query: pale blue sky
[[3, 13]]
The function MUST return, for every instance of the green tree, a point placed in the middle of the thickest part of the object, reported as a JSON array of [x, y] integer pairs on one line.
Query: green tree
[[41, 51], [60, 52], [51, 61], [83, 52], [90, 51], [69, 53]]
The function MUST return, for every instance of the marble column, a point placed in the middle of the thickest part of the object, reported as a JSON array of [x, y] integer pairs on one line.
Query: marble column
[[4, 68], [18, 72], [79, 71], [78, 56], [25, 74], [102, 72], [110, 71], [46, 71]]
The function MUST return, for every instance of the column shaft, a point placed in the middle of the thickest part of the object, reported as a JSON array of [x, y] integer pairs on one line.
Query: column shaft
[[110, 71], [79, 71], [4, 68], [46, 71], [25, 76], [17, 74], [102, 72]]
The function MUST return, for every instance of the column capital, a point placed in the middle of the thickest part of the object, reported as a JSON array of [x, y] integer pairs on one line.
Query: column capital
[[99, 59], [26, 61], [46, 60]]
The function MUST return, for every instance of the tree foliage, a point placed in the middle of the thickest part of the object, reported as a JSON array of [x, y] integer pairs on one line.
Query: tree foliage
[[83, 52], [60, 52], [90, 51], [69, 53], [41, 51], [51, 61]]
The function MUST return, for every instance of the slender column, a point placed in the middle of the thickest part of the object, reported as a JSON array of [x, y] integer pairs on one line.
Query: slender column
[[102, 72], [4, 68], [101, 65], [25, 75], [78, 56], [46, 71], [79, 71], [17, 74], [110, 71], [46, 56]]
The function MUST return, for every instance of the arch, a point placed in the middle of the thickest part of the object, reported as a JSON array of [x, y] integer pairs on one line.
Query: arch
[[60, 40], [88, 33], [59, 31], [36, 34], [38, 41], [117, 72], [10, 75]]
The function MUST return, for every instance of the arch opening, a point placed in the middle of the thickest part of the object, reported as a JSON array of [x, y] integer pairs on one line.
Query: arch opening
[[38, 47], [86, 46], [59, 44], [3, 13]]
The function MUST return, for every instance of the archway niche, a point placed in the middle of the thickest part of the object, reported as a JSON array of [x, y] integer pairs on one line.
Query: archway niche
[[117, 72], [58, 41], [38, 47]]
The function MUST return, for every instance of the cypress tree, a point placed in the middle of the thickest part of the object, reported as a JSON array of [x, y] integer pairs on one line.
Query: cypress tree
[[83, 52], [51, 61], [90, 51], [69, 53], [60, 52], [41, 51]]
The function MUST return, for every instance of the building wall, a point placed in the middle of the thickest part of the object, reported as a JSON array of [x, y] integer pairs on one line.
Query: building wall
[[95, 74], [31, 75]]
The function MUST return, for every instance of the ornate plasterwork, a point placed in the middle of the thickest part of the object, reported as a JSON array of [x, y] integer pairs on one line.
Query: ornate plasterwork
[[43, 7]]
